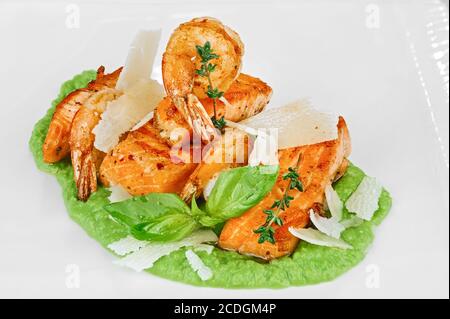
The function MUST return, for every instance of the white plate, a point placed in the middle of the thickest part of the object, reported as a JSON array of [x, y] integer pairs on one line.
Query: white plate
[[381, 64]]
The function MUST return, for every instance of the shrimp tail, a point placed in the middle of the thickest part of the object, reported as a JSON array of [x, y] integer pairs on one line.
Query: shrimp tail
[[190, 190], [197, 117], [85, 174]]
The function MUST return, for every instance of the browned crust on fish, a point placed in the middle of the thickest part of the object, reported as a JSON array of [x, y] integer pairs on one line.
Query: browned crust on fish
[[319, 166]]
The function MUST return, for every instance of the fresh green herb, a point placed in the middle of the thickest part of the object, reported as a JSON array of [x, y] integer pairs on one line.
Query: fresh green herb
[[166, 217], [158, 217], [239, 189], [266, 232], [206, 54], [219, 123]]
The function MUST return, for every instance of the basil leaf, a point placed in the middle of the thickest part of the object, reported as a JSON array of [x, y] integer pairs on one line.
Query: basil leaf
[[203, 216], [238, 190], [165, 228], [156, 216]]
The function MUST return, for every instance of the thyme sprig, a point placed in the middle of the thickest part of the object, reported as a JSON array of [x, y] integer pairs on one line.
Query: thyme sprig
[[266, 232], [206, 54]]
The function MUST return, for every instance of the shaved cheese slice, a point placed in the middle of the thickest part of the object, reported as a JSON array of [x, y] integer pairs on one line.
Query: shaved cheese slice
[[265, 149], [140, 93], [127, 245], [204, 247], [315, 237], [143, 121], [210, 185], [353, 221], [118, 194], [334, 203], [244, 128], [265, 146], [364, 200], [328, 226], [198, 266], [122, 114], [140, 59], [310, 126], [145, 257]]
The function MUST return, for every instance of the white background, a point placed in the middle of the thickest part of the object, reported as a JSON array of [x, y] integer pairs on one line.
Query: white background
[[389, 79]]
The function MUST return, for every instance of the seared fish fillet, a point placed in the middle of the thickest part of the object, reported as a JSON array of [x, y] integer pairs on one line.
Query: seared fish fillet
[[320, 165], [56, 145], [142, 164]]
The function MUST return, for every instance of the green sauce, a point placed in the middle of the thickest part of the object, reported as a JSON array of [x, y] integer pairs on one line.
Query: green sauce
[[309, 264]]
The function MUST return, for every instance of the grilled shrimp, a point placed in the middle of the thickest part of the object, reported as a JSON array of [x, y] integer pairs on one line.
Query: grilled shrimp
[[86, 159], [56, 145], [180, 62], [246, 97], [141, 162]]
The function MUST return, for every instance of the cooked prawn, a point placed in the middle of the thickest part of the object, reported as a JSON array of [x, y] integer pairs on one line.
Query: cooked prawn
[[180, 62], [56, 144], [246, 97], [85, 159]]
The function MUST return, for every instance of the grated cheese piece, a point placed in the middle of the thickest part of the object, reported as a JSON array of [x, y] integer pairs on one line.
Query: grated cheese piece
[[198, 266]]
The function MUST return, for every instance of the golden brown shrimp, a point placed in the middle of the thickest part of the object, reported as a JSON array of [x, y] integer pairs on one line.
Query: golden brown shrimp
[[246, 97], [56, 145], [85, 159], [141, 162], [180, 62]]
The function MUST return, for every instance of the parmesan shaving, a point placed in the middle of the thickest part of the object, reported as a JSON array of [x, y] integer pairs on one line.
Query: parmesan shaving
[[204, 247], [364, 200], [124, 113], [145, 257], [328, 226], [265, 149], [353, 221], [140, 59], [140, 94], [127, 245], [311, 126], [334, 203], [118, 194], [316, 237], [210, 185], [143, 121], [198, 266]]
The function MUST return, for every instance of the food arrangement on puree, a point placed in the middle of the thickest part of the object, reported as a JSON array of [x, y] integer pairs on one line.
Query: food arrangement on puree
[[195, 180]]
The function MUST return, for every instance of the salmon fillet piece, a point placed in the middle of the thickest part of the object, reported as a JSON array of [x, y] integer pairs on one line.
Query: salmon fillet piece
[[320, 165], [56, 145], [142, 164]]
